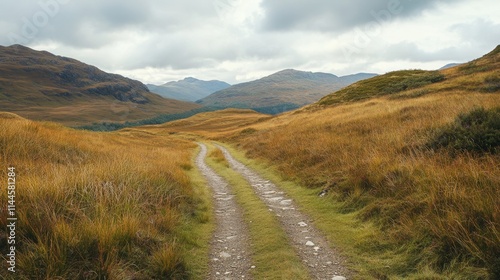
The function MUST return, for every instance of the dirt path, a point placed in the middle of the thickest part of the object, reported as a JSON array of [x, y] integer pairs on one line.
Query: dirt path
[[229, 255], [311, 246]]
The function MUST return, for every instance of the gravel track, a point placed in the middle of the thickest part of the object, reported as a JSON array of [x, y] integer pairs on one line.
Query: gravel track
[[310, 245], [229, 254]]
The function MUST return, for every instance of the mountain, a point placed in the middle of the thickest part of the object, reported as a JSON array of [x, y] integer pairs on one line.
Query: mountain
[[450, 65], [42, 86], [282, 91], [189, 89]]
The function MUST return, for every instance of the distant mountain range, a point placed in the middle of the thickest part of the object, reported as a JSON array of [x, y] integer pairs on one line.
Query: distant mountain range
[[281, 91], [189, 89], [42, 86]]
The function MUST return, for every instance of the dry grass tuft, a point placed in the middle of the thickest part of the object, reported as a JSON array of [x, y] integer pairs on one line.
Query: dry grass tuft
[[218, 156]]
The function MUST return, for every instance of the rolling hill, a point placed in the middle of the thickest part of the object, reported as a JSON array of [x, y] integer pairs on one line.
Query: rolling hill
[[282, 91], [188, 89], [41, 86]]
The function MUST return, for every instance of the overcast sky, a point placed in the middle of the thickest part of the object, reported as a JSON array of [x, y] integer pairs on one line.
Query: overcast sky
[[156, 41]]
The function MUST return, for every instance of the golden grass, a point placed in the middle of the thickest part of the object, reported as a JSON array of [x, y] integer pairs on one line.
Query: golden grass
[[195, 231], [211, 124], [444, 210], [348, 235], [96, 205]]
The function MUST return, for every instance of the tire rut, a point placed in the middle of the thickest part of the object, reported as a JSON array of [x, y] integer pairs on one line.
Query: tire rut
[[310, 245], [229, 253]]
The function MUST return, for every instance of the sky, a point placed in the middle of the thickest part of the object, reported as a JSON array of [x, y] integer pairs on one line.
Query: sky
[[156, 41]]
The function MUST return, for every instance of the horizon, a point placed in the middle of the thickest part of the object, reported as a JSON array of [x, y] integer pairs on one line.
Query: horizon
[[236, 41], [218, 80], [231, 84]]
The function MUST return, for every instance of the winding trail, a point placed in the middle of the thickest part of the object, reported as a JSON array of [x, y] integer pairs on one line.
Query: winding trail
[[229, 254], [310, 245]]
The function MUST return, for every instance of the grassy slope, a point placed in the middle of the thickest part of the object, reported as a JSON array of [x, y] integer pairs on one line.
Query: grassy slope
[[441, 210], [102, 205], [97, 110], [226, 122], [361, 242]]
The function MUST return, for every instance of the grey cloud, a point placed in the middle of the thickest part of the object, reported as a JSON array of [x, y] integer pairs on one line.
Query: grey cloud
[[479, 31], [94, 23], [337, 16], [411, 52], [477, 36], [195, 36]]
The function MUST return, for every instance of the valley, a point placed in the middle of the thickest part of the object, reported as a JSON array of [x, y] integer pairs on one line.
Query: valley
[[392, 177]]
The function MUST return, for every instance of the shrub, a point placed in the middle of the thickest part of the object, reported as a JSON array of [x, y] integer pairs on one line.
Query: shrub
[[477, 131], [248, 131], [492, 84]]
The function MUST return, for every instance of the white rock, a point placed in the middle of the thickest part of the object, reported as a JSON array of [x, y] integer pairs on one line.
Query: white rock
[[339, 278], [286, 202], [316, 248], [302, 224], [310, 244], [225, 255]]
